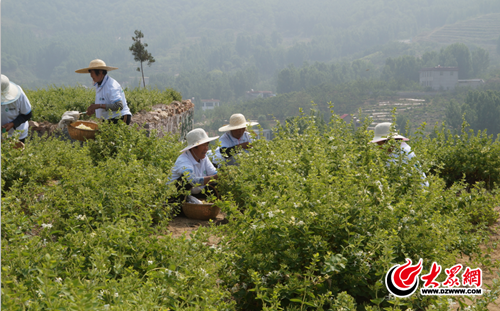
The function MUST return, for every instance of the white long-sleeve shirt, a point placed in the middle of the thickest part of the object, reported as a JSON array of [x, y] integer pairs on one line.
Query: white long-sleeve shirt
[[195, 170], [227, 141]]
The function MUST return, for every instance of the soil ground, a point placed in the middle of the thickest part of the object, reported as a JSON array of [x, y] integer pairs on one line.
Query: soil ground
[[182, 225]]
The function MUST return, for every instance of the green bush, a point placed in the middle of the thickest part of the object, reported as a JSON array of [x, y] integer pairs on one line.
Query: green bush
[[49, 104], [316, 218], [468, 156], [324, 213]]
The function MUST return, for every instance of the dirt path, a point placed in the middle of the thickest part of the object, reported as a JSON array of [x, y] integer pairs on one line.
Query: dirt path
[[181, 225]]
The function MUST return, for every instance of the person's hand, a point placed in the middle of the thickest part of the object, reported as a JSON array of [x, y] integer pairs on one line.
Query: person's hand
[[246, 145], [207, 179], [8, 126], [92, 108]]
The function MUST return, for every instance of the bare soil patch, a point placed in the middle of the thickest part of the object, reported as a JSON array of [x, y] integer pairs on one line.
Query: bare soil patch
[[182, 225]]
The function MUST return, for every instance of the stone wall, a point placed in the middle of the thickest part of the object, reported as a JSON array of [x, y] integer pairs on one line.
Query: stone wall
[[177, 117]]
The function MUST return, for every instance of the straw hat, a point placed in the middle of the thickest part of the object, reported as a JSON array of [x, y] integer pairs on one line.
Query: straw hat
[[10, 91], [383, 132], [96, 64], [237, 121], [197, 137]]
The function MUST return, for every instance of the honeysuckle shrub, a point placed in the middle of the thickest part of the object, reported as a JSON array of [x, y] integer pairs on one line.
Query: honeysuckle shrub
[[114, 266], [468, 156], [317, 213], [50, 103], [80, 233], [316, 218], [128, 143]]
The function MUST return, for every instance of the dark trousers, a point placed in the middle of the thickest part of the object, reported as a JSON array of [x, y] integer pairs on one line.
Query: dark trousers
[[126, 118]]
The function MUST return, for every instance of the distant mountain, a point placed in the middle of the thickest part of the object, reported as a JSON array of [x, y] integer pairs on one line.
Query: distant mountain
[[44, 41]]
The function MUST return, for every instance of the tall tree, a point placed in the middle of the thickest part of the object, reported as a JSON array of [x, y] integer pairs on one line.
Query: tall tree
[[140, 53], [461, 54], [480, 61]]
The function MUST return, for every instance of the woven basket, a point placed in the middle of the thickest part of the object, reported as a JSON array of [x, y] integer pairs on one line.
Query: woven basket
[[200, 211], [81, 134]]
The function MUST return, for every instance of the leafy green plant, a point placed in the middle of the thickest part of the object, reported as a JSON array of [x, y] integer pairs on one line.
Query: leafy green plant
[[469, 156], [317, 216], [49, 104]]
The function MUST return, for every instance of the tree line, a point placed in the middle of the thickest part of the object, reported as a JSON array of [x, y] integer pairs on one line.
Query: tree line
[[41, 47], [470, 63]]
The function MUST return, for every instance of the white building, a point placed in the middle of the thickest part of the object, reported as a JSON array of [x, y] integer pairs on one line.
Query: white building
[[209, 103], [473, 83], [439, 78]]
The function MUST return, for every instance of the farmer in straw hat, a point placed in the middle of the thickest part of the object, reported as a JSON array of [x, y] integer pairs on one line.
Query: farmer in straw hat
[[383, 134], [193, 170], [109, 95], [16, 109], [234, 139]]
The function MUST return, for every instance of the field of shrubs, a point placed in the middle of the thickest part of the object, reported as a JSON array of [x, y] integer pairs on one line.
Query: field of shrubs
[[317, 216]]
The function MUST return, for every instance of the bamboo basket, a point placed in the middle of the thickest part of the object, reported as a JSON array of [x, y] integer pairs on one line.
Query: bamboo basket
[[82, 134], [200, 211]]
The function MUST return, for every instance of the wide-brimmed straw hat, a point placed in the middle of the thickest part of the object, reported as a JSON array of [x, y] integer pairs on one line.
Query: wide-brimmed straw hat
[[383, 132], [10, 91], [96, 64], [197, 137], [237, 121]]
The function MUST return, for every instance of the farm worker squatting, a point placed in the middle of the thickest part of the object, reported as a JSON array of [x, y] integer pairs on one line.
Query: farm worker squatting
[[235, 138], [382, 135], [108, 94], [194, 165], [16, 109]]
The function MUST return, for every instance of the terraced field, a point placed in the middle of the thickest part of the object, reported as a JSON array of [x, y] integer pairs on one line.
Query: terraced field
[[482, 30], [415, 109]]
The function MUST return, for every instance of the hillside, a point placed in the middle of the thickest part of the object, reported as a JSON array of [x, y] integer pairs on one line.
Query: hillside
[[482, 31], [44, 42]]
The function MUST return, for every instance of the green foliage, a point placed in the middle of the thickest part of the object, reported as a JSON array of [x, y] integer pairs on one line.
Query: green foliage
[[348, 97], [78, 234], [480, 61], [324, 213], [129, 144], [291, 79], [405, 69], [468, 156], [458, 55], [316, 218], [40, 47], [481, 109], [49, 104]]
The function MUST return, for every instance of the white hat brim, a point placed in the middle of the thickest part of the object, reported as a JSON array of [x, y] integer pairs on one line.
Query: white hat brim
[[86, 70], [227, 128], [201, 142], [12, 95], [395, 137]]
